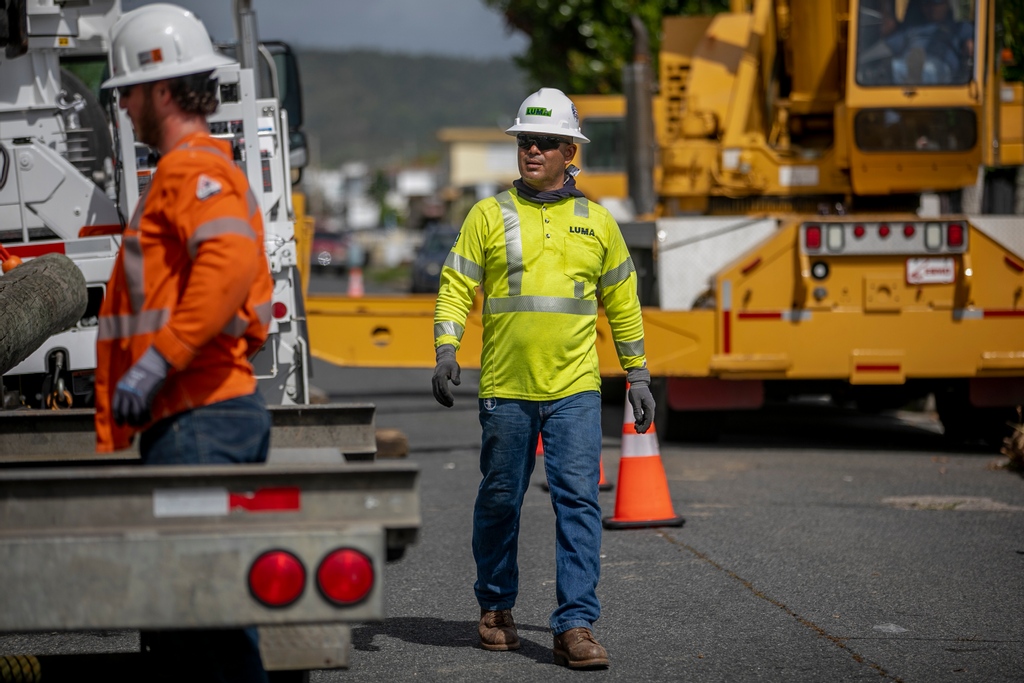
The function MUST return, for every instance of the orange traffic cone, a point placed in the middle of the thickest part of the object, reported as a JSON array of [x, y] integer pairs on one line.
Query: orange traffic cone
[[603, 484], [355, 282], [643, 498]]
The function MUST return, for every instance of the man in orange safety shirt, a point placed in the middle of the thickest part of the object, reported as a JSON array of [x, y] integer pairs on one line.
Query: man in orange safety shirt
[[188, 301]]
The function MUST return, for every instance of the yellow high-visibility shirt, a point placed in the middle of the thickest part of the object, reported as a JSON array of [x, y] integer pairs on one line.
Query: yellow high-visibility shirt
[[542, 268]]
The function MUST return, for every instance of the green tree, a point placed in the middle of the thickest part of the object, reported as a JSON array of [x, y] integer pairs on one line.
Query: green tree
[[580, 46], [1012, 17]]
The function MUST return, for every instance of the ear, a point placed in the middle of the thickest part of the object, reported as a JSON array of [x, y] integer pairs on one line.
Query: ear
[[570, 152], [161, 94]]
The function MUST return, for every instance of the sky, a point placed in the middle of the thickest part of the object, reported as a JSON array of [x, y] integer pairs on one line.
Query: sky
[[454, 28]]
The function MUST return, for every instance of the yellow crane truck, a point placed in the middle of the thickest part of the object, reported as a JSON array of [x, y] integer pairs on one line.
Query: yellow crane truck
[[796, 196]]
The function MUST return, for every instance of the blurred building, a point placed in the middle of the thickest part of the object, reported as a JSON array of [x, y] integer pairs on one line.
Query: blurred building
[[478, 163]]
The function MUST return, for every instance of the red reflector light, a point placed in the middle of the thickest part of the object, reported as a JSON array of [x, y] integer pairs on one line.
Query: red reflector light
[[345, 576], [277, 578], [908, 231], [858, 231], [812, 237], [955, 235], [279, 310], [883, 230]]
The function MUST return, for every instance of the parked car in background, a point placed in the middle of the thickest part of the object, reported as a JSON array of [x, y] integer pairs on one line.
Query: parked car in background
[[438, 239], [330, 252]]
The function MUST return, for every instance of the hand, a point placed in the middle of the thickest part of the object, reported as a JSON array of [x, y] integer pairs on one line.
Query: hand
[[134, 394], [446, 369], [641, 398]]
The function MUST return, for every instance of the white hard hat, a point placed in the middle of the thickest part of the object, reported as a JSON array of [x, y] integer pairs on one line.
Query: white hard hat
[[159, 41], [548, 112]]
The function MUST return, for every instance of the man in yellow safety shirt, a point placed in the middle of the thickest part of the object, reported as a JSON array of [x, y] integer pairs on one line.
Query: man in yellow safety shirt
[[543, 255]]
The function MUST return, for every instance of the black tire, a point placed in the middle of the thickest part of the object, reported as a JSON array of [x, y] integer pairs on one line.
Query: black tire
[[965, 424]]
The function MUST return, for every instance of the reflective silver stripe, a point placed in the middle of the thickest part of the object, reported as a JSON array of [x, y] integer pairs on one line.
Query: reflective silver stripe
[[540, 304], [236, 327], [217, 227], [449, 328], [263, 312], [124, 326], [251, 202], [211, 150], [513, 243], [578, 288], [968, 314], [633, 348], [463, 266], [617, 274], [139, 209], [582, 207], [131, 260]]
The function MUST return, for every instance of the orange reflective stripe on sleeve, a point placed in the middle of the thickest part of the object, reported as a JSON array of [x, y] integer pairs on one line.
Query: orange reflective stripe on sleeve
[[216, 227], [131, 249], [131, 324]]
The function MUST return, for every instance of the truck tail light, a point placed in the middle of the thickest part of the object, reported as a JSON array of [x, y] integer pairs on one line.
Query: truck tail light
[[812, 237], [909, 230], [345, 576], [858, 231], [883, 230], [277, 578], [279, 310], [955, 235]]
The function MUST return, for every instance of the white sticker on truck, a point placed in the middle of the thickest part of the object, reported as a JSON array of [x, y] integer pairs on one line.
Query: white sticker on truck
[[930, 271], [205, 502], [798, 176]]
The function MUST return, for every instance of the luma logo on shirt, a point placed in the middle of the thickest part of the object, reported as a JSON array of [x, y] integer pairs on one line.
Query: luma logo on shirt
[[581, 230], [538, 111]]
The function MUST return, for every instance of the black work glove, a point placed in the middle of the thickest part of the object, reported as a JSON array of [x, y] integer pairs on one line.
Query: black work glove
[[641, 398], [446, 369], [133, 396]]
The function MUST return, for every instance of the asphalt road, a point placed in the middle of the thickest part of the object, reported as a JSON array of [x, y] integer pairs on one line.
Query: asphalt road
[[819, 545]]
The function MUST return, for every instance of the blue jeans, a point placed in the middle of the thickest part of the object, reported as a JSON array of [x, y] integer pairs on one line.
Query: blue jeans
[[571, 431], [232, 431], [224, 433]]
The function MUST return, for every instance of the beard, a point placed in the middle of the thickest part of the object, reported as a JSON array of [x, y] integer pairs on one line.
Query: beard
[[147, 128]]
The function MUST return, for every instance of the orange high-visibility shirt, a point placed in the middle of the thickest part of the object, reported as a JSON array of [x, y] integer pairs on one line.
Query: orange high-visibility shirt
[[191, 279]]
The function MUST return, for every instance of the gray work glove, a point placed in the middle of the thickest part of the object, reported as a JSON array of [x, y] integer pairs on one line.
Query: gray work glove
[[446, 369], [133, 396], [640, 398]]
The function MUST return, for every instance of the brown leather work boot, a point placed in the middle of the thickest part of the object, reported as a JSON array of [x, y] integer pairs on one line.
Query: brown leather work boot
[[498, 630], [577, 649]]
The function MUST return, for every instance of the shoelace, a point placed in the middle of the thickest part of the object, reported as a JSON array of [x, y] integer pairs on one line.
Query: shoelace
[[500, 619], [581, 635]]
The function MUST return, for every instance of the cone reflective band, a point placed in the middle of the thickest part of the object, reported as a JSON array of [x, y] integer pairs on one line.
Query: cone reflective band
[[643, 498]]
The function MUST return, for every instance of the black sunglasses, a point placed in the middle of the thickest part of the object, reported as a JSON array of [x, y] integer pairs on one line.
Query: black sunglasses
[[543, 142]]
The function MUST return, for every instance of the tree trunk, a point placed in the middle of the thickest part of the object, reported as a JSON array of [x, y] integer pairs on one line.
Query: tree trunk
[[38, 299]]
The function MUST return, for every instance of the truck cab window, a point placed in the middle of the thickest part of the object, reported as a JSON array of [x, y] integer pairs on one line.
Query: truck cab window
[[915, 42]]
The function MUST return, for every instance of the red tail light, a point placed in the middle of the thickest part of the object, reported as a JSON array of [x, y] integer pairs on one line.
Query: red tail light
[[279, 310], [277, 578], [909, 230], [345, 576], [812, 237], [858, 231], [955, 235], [883, 230]]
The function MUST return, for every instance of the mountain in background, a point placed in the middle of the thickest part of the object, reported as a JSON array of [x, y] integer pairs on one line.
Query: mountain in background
[[385, 109]]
